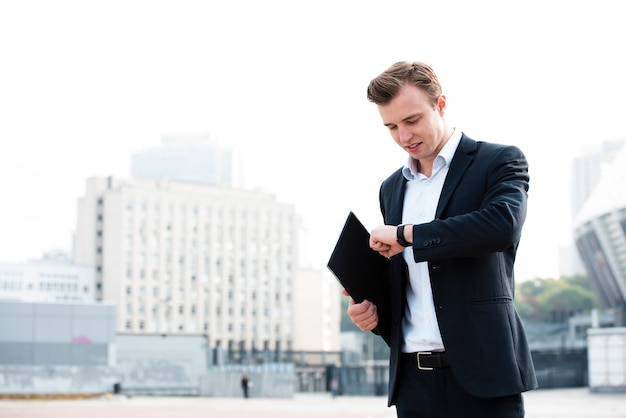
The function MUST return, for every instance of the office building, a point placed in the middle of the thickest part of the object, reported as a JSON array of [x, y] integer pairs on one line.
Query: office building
[[53, 278], [600, 236], [193, 158], [587, 171], [589, 168], [185, 258]]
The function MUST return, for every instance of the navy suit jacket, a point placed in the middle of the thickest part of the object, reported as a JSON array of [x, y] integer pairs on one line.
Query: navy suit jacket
[[470, 248]]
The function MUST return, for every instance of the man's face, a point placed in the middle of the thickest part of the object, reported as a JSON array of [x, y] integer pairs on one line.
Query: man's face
[[415, 124]]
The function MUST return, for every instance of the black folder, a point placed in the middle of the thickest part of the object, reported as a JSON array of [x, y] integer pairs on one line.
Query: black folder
[[361, 271]]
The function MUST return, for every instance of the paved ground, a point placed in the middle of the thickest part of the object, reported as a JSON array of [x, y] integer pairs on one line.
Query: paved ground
[[570, 403]]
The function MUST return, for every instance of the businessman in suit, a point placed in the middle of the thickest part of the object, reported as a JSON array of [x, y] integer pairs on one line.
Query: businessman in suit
[[453, 216]]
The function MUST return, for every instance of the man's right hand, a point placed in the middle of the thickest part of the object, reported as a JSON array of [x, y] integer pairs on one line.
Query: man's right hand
[[364, 314]]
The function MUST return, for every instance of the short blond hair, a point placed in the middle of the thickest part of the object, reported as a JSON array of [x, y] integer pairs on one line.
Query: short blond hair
[[386, 85]]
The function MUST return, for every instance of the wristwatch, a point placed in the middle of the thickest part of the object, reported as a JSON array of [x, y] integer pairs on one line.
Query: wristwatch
[[400, 236]]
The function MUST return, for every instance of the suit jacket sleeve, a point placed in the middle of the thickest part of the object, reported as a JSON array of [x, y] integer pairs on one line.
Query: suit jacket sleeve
[[481, 212]]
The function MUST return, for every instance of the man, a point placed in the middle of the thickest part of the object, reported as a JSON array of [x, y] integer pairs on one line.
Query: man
[[245, 384], [453, 217]]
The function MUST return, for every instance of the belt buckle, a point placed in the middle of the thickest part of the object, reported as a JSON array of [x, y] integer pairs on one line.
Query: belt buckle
[[419, 365]]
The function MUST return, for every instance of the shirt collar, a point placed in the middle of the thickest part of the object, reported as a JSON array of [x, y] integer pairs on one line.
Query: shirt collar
[[409, 171]]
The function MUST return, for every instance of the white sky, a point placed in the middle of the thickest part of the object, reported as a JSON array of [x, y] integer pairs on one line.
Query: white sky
[[84, 84]]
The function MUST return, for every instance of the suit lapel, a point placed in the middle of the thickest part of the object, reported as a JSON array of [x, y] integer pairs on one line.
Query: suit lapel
[[462, 158], [397, 200]]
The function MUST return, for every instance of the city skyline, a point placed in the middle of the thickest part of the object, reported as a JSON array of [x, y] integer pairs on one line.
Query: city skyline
[[87, 86]]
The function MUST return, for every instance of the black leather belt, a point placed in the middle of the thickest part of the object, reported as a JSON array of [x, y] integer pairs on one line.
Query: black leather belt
[[426, 360]]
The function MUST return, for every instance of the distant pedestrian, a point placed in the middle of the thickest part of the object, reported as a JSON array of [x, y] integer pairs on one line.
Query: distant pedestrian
[[245, 384], [334, 386]]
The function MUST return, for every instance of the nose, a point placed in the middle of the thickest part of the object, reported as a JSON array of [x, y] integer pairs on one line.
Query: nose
[[404, 135]]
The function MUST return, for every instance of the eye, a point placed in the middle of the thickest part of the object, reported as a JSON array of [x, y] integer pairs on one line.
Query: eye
[[412, 121]]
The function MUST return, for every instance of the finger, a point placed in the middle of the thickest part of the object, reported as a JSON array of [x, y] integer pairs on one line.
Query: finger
[[362, 315], [357, 308], [370, 324]]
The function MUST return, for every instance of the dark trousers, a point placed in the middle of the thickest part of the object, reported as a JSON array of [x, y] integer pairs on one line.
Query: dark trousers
[[436, 394]]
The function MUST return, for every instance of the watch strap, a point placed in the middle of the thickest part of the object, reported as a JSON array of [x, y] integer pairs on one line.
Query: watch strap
[[400, 236]]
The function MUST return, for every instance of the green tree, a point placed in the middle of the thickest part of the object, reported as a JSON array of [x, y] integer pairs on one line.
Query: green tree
[[555, 300]]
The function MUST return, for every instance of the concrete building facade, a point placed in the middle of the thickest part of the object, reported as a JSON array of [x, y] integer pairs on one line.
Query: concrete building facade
[[184, 258], [46, 281]]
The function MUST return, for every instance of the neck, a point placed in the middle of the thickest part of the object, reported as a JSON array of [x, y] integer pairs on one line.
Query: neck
[[425, 166]]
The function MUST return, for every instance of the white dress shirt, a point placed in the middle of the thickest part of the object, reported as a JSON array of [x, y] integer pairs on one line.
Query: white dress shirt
[[421, 196]]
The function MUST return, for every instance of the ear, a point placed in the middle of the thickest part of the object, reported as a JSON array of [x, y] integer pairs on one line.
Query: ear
[[441, 105]]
